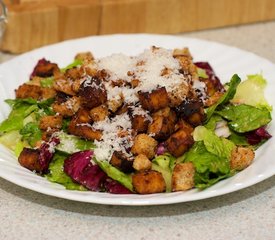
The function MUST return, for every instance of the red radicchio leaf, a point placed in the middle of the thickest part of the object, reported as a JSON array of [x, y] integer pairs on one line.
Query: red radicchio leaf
[[46, 152], [161, 149], [115, 187], [258, 135], [40, 62], [211, 74]]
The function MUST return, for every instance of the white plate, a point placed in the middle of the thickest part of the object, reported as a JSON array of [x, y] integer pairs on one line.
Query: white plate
[[225, 60]]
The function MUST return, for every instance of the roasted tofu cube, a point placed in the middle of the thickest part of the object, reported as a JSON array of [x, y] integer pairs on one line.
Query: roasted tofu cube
[[154, 100], [144, 144], [163, 124], [67, 108], [179, 142], [123, 163], [80, 126], [191, 110], [141, 162], [29, 158], [241, 158], [99, 113], [183, 177], [140, 123], [51, 122], [92, 93], [146, 182], [181, 124]]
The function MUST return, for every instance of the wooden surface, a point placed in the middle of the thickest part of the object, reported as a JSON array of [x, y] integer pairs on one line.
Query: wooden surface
[[34, 23]]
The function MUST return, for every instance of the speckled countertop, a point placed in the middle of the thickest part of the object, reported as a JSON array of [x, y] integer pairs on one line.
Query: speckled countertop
[[246, 214]]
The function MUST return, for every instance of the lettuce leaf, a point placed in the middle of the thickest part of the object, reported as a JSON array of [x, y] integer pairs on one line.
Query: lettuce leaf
[[234, 82], [165, 165], [251, 92], [210, 156], [56, 173], [244, 118]]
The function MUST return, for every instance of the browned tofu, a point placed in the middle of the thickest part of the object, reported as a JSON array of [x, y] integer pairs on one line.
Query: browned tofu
[[241, 158], [146, 182], [183, 177], [144, 144], [29, 158], [80, 126], [29, 91], [50, 122], [163, 124], [115, 104], [154, 100], [99, 113], [181, 124], [47, 93], [140, 123], [141, 162], [178, 94], [67, 108], [120, 161], [92, 93], [179, 142]]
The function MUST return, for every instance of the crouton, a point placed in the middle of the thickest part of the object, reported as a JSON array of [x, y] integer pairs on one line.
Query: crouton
[[99, 113], [29, 158], [154, 100], [116, 103], [29, 91], [120, 161], [74, 73], [144, 144], [163, 124], [84, 57], [179, 142], [141, 162], [64, 85], [241, 158], [50, 122], [47, 93], [146, 182], [178, 94], [183, 177], [92, 93], [181, 124], [67, 108]]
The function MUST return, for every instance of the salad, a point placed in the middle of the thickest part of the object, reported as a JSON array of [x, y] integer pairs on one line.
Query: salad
[[152, 123]]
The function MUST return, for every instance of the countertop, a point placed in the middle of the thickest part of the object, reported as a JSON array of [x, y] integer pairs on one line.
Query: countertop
[[246, 214]]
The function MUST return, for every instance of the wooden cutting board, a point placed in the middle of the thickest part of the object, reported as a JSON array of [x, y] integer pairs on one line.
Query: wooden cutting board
[[34, 23]]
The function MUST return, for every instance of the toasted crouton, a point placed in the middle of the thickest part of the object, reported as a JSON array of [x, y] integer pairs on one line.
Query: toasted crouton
[[140, 123], [29, 91], [179, 142], [241, 158], [154, 100], [67, 108], [99, 113], [183, 177], [178, 94], [141, 162], [50, 122], [144, 144], [85, 56], [64, 85], [146, 182]]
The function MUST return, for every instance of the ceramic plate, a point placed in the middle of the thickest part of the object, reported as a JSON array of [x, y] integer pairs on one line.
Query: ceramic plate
[[226, 61]]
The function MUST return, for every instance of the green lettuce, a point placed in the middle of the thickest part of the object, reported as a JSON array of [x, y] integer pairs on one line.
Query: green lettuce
[[75, 63], [56, 173], [31, 133], [234, 82], [165, 165], [210, 156], [116, 174], [244, 118], [251, 92]]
